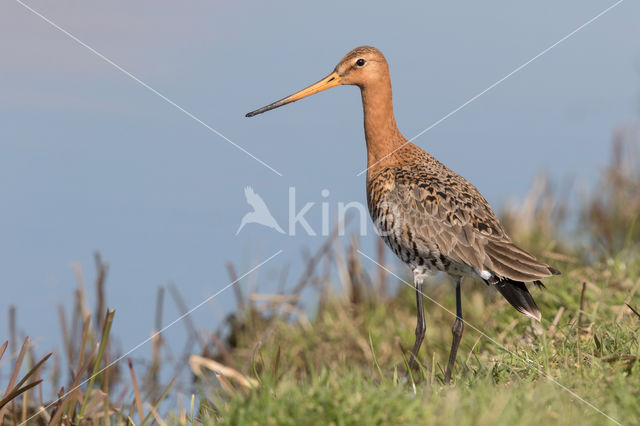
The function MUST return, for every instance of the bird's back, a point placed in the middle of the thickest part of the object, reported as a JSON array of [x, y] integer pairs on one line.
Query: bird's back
[[431, 217]]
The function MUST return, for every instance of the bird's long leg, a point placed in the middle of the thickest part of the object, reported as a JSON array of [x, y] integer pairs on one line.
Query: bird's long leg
[[456, 330], [420, 326]]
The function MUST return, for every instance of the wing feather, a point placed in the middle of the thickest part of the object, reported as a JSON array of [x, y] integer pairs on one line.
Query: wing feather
[[444, 209]]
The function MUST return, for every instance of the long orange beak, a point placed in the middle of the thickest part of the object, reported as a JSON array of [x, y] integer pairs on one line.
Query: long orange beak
[[329, 81]]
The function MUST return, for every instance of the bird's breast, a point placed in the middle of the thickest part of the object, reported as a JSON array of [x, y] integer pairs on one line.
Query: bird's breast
[[396, 224]]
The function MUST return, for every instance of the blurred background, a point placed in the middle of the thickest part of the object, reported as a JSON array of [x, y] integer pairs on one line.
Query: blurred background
[[90, 160]]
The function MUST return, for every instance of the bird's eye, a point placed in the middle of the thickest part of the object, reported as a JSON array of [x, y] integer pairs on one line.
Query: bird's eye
[[360, 62]]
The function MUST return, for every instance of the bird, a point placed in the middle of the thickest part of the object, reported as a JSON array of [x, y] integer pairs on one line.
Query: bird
[[432, 218], [260, 213]]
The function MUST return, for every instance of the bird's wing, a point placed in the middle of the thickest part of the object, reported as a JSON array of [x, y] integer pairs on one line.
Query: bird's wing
[[249, 194], [442, 207], [254, 200]]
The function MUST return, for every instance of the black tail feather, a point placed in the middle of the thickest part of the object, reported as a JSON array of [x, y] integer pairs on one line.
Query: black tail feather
[[517, 294], [539, 284]]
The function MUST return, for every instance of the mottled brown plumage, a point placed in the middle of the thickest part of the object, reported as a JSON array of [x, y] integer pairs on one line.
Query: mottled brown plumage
[[433, 219], [436, 216]]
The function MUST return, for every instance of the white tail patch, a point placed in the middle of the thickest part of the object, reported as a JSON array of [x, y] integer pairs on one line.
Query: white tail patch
[[485, 275]]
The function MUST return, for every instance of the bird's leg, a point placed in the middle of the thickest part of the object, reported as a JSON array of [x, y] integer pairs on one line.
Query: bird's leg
[[456, 330], [420, 326]]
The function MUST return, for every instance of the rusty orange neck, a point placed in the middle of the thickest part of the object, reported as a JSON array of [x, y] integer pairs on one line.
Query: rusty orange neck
[[380, 129]]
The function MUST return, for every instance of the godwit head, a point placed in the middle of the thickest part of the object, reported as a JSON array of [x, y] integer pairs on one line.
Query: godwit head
[[364, 66], [367, 68]]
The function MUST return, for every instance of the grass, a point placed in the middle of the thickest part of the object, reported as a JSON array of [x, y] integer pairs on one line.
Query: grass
[[332, 373], [343, 360]]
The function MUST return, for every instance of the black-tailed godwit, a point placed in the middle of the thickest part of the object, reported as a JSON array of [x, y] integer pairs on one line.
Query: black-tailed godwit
[[433, 219]]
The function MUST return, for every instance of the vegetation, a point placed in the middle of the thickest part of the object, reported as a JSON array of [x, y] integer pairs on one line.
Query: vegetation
[[343, 360]]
